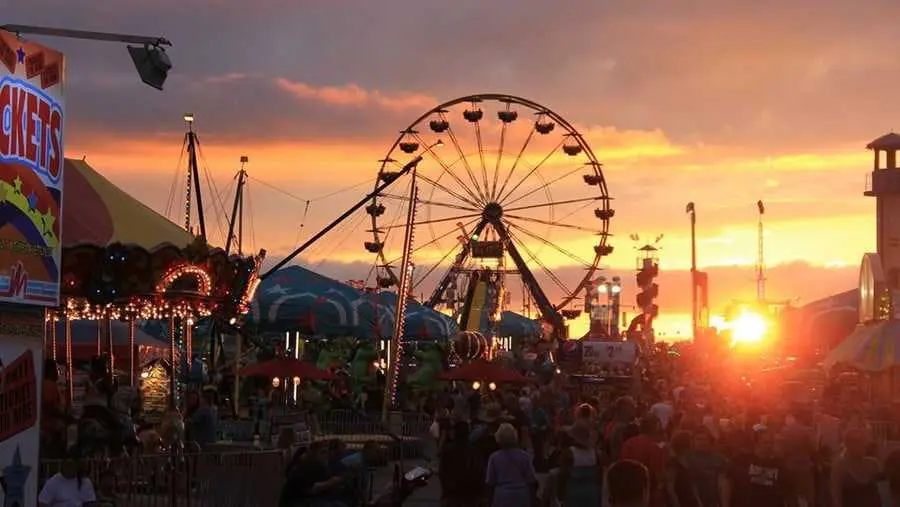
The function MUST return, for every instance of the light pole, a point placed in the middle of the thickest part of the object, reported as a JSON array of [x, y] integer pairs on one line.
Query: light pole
[[613, 290], [760, 260], [150, 59], [404, 287], [691, 210]]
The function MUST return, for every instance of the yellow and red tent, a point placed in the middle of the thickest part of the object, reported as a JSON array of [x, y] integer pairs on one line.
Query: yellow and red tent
[[97, 212]]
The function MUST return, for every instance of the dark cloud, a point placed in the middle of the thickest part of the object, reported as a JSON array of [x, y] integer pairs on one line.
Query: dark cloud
[[798, 283], [718, 71], [229, 109]]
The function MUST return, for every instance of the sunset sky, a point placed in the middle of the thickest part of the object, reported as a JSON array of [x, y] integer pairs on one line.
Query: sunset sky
[[719, 102]]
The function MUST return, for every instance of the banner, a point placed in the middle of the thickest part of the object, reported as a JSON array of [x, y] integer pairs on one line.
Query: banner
[[31, 171], [21, 365], [609, 352]]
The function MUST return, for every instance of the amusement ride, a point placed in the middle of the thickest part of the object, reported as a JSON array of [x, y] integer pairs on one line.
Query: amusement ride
[[514, 190]]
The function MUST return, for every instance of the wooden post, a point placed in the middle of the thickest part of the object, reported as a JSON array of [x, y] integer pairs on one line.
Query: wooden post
[[70, 369], [99, 338], [237, 378], [106, 323], [133, 373]]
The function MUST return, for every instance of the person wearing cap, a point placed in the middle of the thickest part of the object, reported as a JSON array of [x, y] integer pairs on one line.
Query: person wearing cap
[[580, 472]]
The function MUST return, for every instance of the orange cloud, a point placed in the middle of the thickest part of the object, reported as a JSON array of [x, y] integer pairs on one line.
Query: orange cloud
[[352, 95]]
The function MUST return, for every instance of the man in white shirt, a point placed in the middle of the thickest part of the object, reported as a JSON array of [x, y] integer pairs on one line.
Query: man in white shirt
[[663, 410], [828, 432], [67, 488]]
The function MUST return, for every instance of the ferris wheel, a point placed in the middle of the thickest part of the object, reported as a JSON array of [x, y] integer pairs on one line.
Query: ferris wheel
[[507, 187]]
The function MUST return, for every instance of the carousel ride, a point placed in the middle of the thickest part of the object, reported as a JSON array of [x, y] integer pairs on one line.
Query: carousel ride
[[133, 265], [515, 193]]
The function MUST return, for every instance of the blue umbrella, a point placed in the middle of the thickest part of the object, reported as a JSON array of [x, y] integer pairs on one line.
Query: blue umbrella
[[297, 299]]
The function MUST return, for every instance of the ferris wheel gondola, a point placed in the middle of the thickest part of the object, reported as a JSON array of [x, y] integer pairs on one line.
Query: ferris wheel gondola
[[517, 191]]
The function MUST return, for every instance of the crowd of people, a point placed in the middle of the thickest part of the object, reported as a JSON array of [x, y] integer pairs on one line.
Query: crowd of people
[[676, 442], [674, 445]]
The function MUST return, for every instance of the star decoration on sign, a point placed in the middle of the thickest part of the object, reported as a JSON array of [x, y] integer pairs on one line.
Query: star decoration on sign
[[17, 185], [47, 220], [20, 54], [277, 289], [32, 201]]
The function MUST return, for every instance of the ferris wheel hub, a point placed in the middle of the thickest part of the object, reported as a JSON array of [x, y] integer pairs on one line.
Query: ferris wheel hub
[[493, 212]]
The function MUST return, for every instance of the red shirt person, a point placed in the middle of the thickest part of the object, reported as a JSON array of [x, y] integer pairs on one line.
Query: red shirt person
[[645, 449]]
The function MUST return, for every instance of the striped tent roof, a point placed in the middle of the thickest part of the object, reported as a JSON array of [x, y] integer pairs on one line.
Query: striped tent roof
[[97, 212], [871, 347]]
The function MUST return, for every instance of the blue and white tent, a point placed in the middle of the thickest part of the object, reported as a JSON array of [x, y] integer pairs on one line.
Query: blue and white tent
[[297, 299]]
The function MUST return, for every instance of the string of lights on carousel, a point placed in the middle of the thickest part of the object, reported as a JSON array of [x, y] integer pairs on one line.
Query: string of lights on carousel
[[180, 309]]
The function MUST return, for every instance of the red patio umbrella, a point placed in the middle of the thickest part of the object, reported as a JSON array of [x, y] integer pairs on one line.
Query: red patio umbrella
[[287, 367], [483, 371]]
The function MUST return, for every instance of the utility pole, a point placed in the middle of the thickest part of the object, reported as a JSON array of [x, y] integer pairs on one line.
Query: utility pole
[[760, 260], [691, 210]]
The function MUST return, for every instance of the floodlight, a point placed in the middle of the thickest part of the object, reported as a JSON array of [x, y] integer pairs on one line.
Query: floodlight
[[152, 64]]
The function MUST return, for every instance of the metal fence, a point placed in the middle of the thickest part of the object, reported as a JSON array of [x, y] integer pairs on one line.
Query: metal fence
[[403, 434], [346, 422], [885, 431], [237, 479]]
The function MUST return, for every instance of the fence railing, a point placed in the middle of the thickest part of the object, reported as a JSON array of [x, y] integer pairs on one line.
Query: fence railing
[[404, 433], [239, 479], [347, 422]]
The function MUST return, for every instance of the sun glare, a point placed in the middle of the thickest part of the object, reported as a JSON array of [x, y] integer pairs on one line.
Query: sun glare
[[748, 328]]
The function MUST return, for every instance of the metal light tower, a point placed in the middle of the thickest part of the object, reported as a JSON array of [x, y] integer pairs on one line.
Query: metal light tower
[[648, 289], [237, 211], [193, 177], [760, 260]]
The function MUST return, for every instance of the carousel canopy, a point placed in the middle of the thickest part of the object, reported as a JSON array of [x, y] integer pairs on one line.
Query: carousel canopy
[[871, 348], [297, 299], [100, 213]]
